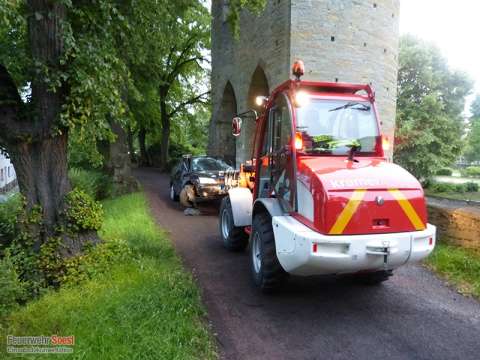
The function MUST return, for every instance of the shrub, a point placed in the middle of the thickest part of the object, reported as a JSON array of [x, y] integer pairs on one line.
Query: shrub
[[444, 172], [9, 211], [460, 188], [471, 187], [96, 260], [471, 171], [11, 288], [83, 212], [443, 187], [94, 183]]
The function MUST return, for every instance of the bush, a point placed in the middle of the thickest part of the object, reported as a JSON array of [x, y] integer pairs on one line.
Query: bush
[[83, 212], [444, 172], [94, 183], [96, 260], [11, 288], [460, 188], [472, 171], [9, 211], [471, 187], [443, 187]]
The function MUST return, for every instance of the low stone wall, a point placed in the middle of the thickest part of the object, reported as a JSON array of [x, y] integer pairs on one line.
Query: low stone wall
[[457, 223]]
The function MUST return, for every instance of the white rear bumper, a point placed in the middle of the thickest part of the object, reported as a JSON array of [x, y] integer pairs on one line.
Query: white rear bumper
[[302, 251]]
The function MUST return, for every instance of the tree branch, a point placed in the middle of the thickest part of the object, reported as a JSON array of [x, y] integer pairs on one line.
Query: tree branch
[[193, 100]]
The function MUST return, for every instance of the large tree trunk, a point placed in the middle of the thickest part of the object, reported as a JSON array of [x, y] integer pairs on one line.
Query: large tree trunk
[[144, 158], [119, 162], [131, 150], [165, 144], [31, 133]]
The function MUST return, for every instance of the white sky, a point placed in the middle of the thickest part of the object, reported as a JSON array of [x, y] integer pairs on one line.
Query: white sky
[[454, 26]]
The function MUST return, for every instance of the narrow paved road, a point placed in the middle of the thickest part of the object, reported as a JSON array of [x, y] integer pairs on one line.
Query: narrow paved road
[[412, 316]]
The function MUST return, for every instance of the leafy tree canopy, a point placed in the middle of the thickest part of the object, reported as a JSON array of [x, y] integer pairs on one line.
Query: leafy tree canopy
[[430, 102], [472, 151]]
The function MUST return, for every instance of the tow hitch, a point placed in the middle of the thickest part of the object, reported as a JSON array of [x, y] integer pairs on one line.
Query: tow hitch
[[384, 251]]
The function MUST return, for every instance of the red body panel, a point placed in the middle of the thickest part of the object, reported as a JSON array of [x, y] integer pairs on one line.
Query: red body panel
[[332, 181]]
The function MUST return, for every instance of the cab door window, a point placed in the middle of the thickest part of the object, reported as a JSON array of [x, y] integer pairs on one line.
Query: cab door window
[[282, 158], [264, 180]]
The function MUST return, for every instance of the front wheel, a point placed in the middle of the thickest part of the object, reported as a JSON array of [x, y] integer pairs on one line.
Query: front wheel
[[266, 270], [234, 238]]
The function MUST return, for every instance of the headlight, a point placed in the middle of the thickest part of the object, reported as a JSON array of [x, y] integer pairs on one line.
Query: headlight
[[206, 180]]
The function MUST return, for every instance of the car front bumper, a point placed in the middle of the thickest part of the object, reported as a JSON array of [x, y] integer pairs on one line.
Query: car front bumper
[[302, 251], [210, 191]]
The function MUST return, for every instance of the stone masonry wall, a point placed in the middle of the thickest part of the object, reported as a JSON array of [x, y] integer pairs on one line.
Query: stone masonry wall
[[350, 41], [456, 225], [338, 40]]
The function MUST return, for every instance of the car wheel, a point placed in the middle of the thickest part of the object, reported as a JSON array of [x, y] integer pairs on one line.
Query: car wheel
[[266, 270], [173, 195], [234, 238], [187, 196]]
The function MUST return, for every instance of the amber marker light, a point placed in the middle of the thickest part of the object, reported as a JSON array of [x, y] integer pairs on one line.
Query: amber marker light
[[298, 141], [385, 143]]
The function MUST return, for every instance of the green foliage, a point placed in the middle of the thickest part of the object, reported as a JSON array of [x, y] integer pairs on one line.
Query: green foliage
[[430, 101], [471, 187], [9, 212], [444, 172], [95, 261], [83, 213], [12, 290], [471, 171], [156, 299], [442, 187], [472, 150], [94, 183], [236, 6], [459, 266]]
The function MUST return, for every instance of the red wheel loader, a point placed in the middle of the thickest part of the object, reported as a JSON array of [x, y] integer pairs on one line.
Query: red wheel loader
[[319, 195]]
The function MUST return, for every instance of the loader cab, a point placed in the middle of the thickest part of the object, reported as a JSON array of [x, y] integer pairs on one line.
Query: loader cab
[[275, 173]]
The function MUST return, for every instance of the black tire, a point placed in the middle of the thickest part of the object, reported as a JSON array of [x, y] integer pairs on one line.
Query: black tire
[[234, 238], [173, 195], [266, 270], [374, 278]]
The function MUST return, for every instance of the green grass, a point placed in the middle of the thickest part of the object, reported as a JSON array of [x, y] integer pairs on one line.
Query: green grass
[[459, 266], [475, 196], [146, 308]]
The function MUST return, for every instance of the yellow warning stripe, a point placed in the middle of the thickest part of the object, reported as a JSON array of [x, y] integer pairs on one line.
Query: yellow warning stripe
[[347, 212], [408, 209]]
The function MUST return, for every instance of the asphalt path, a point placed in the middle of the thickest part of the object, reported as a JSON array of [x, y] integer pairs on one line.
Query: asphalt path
[[414, 315]]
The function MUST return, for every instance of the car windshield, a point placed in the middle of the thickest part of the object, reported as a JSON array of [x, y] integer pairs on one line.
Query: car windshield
[[209, 164], [333, 127]]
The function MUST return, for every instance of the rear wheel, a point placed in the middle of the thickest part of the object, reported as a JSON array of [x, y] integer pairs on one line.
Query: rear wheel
[[234, 238], [266, 270], [374, 278], [173, 195]]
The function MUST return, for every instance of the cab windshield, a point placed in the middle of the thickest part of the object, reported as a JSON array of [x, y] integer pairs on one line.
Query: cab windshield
[[333, 127]]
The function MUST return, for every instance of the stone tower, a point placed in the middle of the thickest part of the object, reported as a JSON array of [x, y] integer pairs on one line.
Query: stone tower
[[338, 40]]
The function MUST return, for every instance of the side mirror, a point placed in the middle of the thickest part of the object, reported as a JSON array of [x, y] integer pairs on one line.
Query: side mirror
[[236, 126]]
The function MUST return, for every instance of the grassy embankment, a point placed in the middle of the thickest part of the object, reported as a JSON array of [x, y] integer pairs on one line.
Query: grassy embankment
[[145, 308], [459, 266]]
